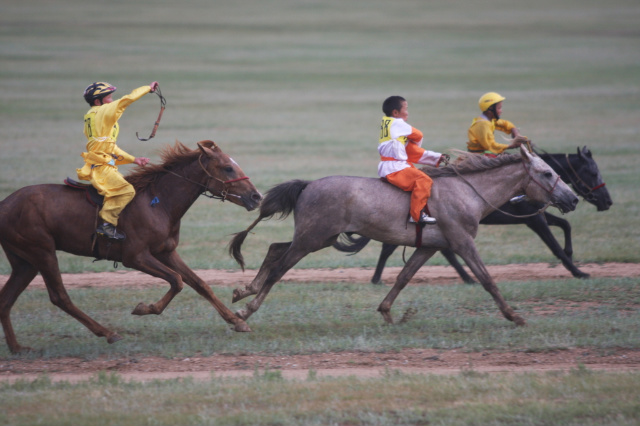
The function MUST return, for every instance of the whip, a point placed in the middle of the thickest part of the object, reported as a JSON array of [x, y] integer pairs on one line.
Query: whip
[[163, 104]]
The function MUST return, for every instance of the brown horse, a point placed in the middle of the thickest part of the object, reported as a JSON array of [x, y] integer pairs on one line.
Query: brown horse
[[37, 220]]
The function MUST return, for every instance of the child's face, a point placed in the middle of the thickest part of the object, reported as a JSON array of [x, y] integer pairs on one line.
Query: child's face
[[499, 109], [403, 112]]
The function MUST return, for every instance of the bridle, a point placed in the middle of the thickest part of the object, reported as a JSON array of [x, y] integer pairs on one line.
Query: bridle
[[223, 193], [549, 191], [587, 195], [576, 180]]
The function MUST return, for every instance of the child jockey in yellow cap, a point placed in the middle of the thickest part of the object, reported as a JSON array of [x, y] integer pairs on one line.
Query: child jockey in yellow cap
[[103, 155], [481, 139]]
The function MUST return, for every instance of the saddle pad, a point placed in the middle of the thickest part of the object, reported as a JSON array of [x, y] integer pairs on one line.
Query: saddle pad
[[91, 193]]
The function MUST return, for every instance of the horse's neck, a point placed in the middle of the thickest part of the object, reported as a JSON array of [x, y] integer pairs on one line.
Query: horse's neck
[[496, 186], [177, 191]]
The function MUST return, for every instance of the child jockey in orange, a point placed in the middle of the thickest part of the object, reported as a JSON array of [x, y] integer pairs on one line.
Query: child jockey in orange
[[399, 147]]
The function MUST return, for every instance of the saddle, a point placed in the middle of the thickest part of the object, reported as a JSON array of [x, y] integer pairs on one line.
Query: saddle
[[90, 192]]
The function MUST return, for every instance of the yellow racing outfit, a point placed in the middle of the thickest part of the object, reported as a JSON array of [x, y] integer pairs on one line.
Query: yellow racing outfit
[[103, 155], [481, 137]]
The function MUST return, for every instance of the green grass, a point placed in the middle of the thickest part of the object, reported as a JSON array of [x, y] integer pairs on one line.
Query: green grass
[[327, 317], [599, 315], [579, 397]]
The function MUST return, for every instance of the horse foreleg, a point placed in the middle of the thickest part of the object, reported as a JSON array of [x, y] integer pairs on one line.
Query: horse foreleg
[[22, 273], [275, 252], [470, 255], [417, 259], [541, 227], [147, 263], [176, 263], [385, 253]]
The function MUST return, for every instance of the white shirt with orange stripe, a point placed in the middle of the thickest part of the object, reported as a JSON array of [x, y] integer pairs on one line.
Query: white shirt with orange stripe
[[400, 145]]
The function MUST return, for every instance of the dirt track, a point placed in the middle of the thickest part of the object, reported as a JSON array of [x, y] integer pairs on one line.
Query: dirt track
[[334, 364]]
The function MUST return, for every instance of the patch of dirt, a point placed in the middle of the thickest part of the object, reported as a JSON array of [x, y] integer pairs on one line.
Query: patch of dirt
[[362, 364]]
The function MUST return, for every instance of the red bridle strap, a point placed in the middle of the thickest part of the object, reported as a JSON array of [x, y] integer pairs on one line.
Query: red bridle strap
[[236, 180]]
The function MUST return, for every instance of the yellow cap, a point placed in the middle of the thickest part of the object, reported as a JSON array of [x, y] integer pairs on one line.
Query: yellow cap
[[489, 99]]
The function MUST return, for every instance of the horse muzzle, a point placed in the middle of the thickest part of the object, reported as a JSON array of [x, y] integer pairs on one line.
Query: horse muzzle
[[566, 203]]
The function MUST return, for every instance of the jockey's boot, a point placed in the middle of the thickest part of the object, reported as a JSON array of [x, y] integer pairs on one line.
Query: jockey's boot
[[425, 219], [517, 199], [110, 231]]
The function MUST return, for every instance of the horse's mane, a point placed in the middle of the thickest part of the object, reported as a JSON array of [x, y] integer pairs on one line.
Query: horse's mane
[[467, 162], [172, 156]]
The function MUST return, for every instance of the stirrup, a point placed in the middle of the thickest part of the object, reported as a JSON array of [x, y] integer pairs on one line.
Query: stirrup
[[110, 231]]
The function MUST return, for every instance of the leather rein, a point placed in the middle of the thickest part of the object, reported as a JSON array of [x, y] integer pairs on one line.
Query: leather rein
[[541, 210]]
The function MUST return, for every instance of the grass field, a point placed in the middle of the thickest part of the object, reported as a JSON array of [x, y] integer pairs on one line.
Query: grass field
[[292, 89]]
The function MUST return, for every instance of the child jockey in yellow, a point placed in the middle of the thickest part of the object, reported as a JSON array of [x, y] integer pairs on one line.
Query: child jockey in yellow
[[480, 133], [103, 155], [399, 147], [481, 139]]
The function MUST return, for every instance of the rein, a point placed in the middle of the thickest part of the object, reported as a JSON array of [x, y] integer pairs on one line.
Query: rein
[[224, 193], [541, 210], [163, 104]]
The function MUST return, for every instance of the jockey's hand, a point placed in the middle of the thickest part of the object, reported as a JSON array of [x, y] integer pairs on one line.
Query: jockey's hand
[[154, 86], [444, 158], [520, 139], [141, 161]]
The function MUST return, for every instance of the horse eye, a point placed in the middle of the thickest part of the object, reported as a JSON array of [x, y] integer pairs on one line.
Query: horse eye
[[548, 175], [228, 169]]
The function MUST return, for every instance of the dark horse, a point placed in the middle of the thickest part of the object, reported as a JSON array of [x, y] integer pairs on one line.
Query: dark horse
[[37, 220], [580, 170], [462, 194]]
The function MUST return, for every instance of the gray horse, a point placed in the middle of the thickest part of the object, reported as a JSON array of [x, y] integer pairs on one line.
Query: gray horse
[[462, 194]]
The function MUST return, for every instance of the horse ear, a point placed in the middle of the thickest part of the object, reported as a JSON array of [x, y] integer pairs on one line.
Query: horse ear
[[524, 152], [207, 145], [584, 153]]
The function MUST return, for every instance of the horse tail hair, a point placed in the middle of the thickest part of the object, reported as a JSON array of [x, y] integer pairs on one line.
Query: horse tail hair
[[281, 199], [347, 243]]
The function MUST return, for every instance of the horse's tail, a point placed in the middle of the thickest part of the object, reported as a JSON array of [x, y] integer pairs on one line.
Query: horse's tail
[[347, 243], [281, 199]]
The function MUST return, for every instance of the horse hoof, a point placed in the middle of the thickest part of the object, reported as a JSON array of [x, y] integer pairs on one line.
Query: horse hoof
[[21, 350], [141, 309], [113, 338], [519, 321], [242, 327]]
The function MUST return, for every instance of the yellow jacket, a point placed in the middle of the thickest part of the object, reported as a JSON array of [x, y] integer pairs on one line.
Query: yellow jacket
[[481, 137], [101, 129]]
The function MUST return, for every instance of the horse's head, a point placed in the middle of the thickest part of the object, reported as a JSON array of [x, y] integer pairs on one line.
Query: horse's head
[[226, 180], [587, 181], [544, 185]]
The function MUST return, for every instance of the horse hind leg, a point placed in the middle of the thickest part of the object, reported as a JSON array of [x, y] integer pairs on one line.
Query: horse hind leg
[[275, 252], [273, 273], [22, 274], [48, 267], [415, 262]]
